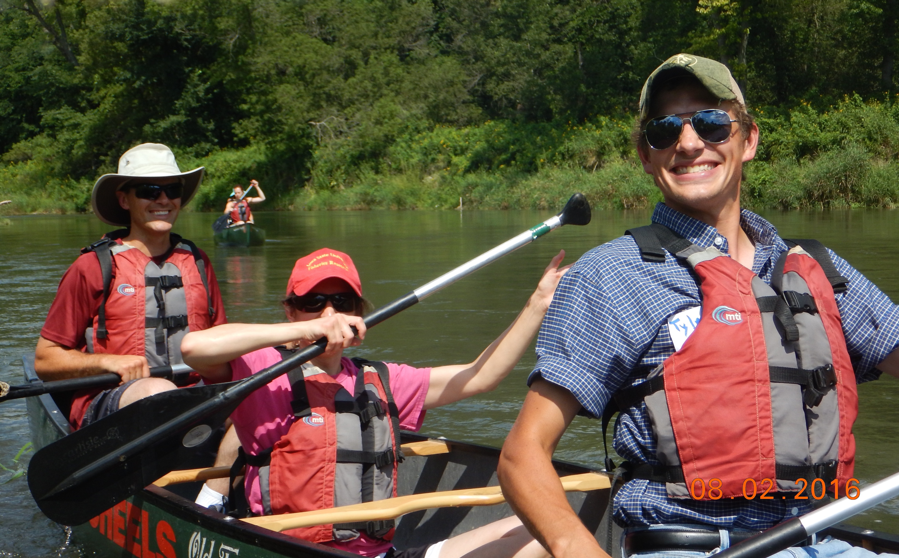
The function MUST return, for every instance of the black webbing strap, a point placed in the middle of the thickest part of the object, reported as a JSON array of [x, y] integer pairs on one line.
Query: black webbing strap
[[672, 473], [653, 240], [656, 473], [102, 248], [380, 459], [201, 267], [634, 395], [375, 529], [392, 409], [237, 505], [815, 383], [782, 311], [822, 256], [105, 258], [651, 249], [800, 302]]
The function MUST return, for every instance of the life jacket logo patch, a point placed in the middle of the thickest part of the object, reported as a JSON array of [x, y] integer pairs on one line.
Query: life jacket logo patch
[[126, 289], [727, 316], [314, 419]]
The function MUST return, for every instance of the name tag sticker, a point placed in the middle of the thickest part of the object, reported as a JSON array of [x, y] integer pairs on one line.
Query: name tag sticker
[[683, 324]]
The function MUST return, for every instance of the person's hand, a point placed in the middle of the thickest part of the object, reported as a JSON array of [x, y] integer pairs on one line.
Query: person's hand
[[129, 367], [254, 182], [543, 296], [337, 328]]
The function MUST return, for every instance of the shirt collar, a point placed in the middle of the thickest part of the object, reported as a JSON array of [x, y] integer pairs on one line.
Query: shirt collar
[[760, 231]]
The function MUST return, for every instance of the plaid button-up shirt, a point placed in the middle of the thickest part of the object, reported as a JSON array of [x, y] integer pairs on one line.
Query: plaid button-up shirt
[[606, 328]]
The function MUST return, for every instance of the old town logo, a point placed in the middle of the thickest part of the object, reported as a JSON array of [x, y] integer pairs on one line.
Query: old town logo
[[203, 547], [727, 316]]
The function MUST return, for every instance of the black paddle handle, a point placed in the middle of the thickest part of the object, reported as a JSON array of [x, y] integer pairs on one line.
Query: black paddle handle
[[178, 373]]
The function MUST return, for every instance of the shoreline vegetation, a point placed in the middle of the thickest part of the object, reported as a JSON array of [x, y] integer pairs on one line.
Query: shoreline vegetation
[[843, 157], [414, 104]]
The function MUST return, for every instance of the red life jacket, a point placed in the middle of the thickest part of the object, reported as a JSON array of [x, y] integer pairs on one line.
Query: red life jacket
[[762, 391], [341, 450], [241, 211], [148, 309]]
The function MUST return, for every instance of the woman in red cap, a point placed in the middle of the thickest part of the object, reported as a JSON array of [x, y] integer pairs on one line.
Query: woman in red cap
[[326, 434]]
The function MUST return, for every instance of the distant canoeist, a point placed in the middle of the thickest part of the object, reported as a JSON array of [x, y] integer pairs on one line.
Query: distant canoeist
[[238, 207]]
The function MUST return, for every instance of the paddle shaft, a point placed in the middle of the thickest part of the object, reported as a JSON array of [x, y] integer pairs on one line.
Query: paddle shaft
[[178, 373], [392, 508], [577, 211], [798, 529]]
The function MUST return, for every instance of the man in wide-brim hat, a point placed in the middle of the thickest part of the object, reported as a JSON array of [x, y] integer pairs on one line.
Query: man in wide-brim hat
[[126, 303]]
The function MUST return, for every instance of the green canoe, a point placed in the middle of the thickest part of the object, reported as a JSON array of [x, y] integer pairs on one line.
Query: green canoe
[[241, 235]]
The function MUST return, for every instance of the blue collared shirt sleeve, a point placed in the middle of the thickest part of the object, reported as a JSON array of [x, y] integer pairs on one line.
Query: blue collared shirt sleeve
[[870, 321]]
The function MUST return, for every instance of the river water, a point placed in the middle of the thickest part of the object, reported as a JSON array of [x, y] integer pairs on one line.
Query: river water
[[395, 253]]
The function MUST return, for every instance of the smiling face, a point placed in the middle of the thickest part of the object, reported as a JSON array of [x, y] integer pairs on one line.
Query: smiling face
[[699, 179], [150, 217]]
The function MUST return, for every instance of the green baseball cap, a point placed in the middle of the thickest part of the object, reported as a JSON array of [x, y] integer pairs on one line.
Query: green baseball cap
[[713, 75]]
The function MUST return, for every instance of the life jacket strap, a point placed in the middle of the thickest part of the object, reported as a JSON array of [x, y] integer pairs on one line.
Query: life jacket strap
[[380, 459], [377, 529]]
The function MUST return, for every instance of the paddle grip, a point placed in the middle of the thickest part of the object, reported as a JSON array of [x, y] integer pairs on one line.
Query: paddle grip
[[769, 542]]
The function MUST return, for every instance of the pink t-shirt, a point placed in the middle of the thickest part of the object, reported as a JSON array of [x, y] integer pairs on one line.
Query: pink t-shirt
[[265, 416]]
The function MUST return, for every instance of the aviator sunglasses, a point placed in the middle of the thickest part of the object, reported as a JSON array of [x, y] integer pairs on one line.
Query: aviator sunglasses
[[153, 191], [315, 302], [712, 126]]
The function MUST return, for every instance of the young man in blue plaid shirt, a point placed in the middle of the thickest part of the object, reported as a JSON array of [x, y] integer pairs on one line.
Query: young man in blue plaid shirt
[[610, 323]]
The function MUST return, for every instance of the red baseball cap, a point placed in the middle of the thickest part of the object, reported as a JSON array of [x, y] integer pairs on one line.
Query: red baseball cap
[[322, 264]]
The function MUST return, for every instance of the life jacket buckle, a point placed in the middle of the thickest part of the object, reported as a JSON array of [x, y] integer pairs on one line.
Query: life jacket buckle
[[385, 458], [800, 302], [820, 380], [826, 470], [371, 410]]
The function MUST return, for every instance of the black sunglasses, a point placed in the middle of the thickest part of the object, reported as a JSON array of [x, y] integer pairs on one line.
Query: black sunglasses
[[315, 302], [712, 126], [153, 191]]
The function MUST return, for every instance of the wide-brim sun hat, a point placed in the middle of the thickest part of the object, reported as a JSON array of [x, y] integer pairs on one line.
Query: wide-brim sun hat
[[149, 161]]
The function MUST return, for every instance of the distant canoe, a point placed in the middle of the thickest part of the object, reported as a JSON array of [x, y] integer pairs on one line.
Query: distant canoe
[[241, 235]]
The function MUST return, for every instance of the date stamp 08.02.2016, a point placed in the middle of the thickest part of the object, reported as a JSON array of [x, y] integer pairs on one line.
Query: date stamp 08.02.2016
[[766, 489]]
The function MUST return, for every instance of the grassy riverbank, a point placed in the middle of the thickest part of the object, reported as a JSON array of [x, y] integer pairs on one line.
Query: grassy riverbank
[[845, 156]]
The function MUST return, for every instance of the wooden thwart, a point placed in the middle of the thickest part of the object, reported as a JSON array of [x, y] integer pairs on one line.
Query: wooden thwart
[[426, 447], [395, 507]]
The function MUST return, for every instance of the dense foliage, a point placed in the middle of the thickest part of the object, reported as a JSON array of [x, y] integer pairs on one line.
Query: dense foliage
[[423, 103]]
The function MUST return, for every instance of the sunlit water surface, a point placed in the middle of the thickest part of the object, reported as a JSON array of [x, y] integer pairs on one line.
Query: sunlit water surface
[[396, 252]]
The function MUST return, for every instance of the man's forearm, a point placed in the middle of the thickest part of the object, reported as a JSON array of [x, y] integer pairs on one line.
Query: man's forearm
[[530, 482]]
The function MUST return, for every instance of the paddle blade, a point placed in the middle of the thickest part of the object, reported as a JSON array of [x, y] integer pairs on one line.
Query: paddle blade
[[220, 224], [576, 211], [75, 455]]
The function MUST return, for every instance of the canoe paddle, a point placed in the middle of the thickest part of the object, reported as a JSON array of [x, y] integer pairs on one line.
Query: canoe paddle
[[392, 508], [85, 473], [178, 373], [798, 529]]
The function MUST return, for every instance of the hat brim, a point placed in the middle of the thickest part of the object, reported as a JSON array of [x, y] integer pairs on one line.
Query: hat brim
[[105, 203]]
